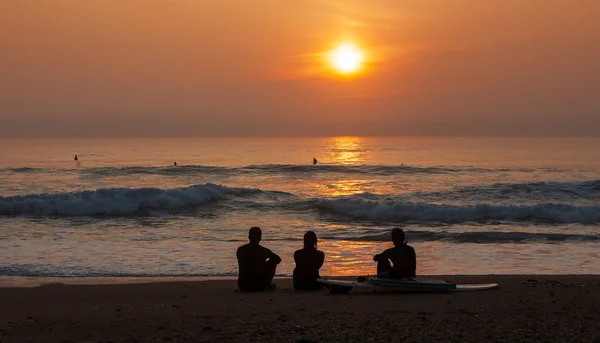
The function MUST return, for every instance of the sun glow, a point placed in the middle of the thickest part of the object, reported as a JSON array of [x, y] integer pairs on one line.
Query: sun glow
[[346, 58]]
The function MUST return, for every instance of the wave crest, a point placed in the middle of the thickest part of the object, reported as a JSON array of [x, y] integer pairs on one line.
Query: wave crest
[[392, 211], [366, 206], [117, 201]]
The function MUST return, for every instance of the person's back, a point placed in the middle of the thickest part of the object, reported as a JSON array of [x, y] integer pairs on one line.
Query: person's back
[[403, 259], [257, 264], [308, 262], [402, 256]]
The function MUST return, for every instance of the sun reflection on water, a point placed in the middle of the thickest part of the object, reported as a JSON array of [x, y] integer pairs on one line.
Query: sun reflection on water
[[347, 150], [349, 258], [343, 187]]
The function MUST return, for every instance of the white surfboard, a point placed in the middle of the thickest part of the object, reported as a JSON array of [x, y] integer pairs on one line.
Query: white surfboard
[[475, 287], [414, 284], [404, 285]]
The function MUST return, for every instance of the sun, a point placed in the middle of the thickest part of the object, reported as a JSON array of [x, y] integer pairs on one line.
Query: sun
[[346, 58]]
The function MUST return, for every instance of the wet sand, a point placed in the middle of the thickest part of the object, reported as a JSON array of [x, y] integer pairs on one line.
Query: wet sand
[[525, 308]]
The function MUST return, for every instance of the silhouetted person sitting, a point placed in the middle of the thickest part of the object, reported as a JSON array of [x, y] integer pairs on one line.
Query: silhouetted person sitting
[[75, 159], [402, 256], [257, 264], [308, 262], [314, 160], [174, 164]]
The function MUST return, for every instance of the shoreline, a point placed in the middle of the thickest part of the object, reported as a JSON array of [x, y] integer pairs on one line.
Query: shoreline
[[549, 308], [39, 281]]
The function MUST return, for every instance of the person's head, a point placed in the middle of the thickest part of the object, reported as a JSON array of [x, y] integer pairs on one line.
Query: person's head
[[310, 240], [255, 235], [398, 236]]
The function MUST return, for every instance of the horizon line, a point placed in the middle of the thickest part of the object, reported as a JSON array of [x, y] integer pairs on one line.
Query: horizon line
[[300, 136]]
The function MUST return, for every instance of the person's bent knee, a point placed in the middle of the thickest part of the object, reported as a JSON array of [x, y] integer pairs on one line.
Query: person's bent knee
[[383, 266]]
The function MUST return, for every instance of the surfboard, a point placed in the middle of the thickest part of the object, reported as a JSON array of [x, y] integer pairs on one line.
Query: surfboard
[[343, 286], [414, 284], [429, 285], [475, 287], [404, 285]]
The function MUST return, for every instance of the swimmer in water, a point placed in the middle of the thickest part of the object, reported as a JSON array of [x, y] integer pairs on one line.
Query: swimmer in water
[[314, 161]]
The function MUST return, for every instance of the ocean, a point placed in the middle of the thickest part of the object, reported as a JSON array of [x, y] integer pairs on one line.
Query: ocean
[[468, 205]]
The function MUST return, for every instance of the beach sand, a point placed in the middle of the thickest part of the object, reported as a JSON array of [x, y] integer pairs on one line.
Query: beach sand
[[523, 309]]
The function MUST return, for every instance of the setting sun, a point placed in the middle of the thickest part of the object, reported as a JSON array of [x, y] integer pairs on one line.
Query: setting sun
[[346, 58]]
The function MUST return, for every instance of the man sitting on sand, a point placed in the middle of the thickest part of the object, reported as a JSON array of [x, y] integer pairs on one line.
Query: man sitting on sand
[[257, 264], [308, 262], [401, 255]]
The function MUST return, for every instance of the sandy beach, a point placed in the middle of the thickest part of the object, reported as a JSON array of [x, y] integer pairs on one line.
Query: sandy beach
[[524, 308]]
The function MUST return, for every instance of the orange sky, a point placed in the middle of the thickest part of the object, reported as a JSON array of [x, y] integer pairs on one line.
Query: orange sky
[[238, 67]]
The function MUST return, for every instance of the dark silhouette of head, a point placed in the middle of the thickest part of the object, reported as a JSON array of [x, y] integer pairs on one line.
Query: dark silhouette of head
[[255, 235], [398, 236], [310, 240]]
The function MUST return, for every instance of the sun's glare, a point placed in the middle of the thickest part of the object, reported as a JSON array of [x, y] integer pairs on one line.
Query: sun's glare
[[346, 58]]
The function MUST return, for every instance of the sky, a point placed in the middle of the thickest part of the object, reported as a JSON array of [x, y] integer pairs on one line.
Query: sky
[[178, 68]]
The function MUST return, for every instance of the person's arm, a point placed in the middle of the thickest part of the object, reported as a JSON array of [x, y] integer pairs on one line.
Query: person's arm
[[273, 257], [413, 262], [242, 262], [381, 257], [321, 260], [237, 254]]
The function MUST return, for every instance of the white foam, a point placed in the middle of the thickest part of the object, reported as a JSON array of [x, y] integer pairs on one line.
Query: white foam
[[117, 201], [404, 211]]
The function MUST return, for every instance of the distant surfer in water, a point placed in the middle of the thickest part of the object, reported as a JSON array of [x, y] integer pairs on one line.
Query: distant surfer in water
[[314, 161], [402, 256], [75, 159], [257, 264], [174, 164], [308, 262]]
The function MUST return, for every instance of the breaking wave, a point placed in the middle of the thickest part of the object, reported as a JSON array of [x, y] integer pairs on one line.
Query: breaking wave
[[537, 191], [392, 211], [366, 206], [118, 201]]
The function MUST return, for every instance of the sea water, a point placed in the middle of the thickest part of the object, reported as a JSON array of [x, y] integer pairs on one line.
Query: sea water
[[468, 205]]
